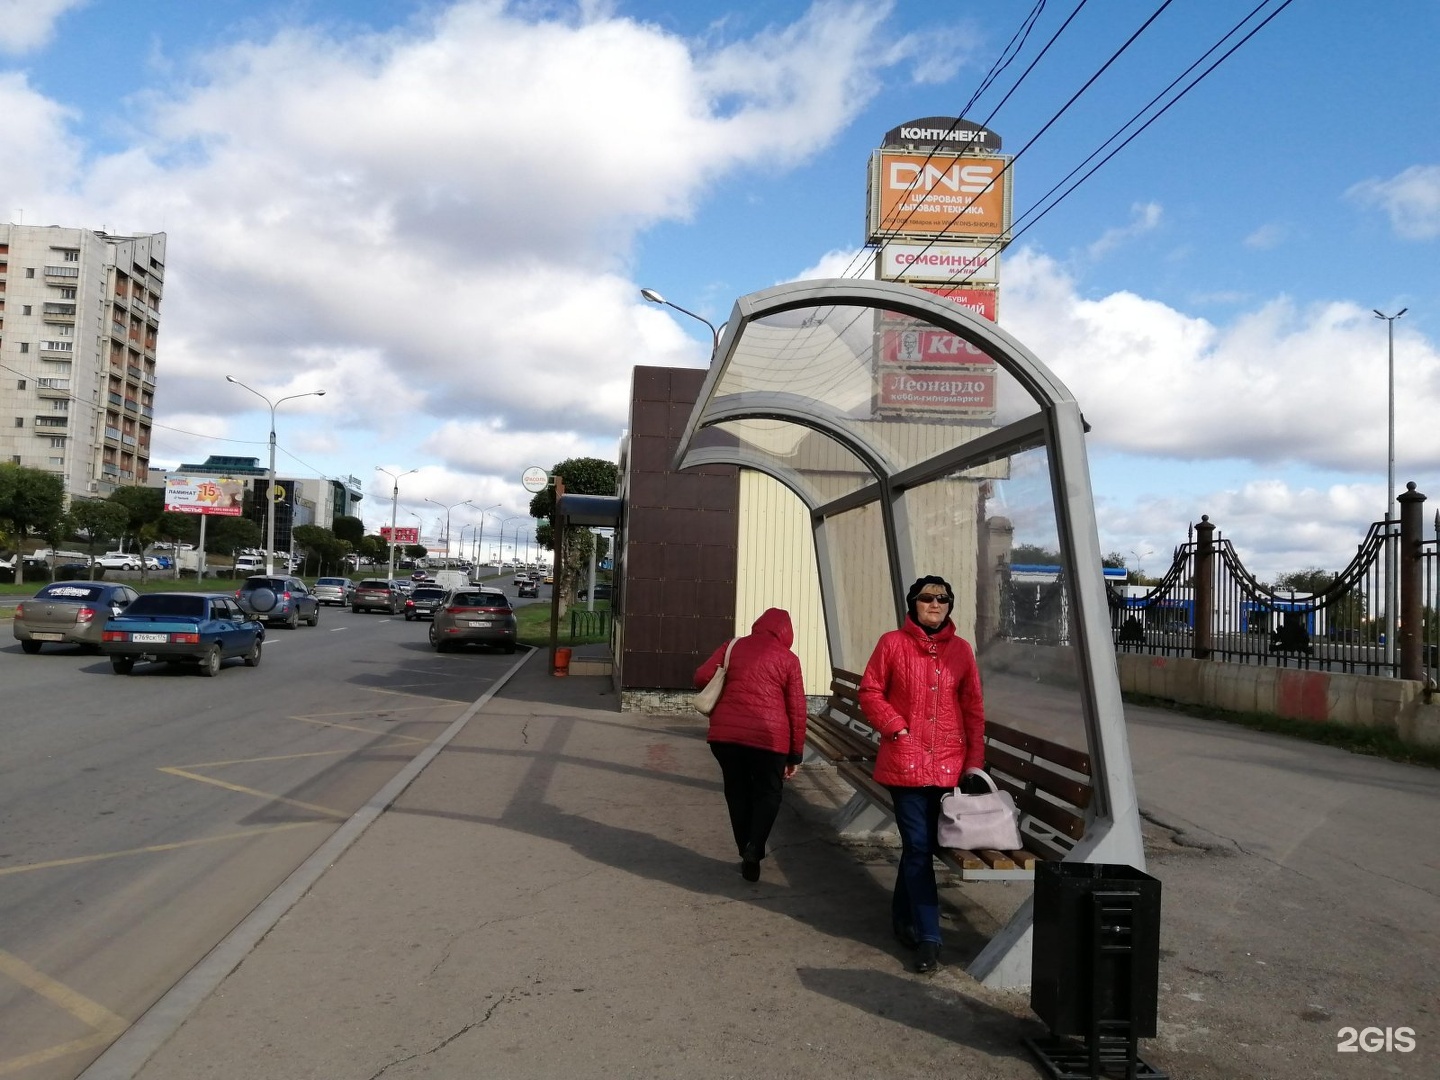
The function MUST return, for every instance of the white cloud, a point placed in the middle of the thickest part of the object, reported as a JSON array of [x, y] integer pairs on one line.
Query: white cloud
[[394, 218], [1266, 237], [30, 24], [1275, 385], [1411, 198], [1144, 218]]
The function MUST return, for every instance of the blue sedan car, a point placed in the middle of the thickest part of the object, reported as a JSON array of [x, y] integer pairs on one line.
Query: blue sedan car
[[178, 628]]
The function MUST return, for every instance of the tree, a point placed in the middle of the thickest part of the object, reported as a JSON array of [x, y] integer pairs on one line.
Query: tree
[[322, 545], [227, 535], [415, 551], [101, 521], [1034, 554], [144, 507], [31, 501], [582, 476], [374, 549], [349, 528]]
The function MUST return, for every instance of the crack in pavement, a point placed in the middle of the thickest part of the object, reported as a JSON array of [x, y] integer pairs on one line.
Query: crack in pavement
[[509, 995]]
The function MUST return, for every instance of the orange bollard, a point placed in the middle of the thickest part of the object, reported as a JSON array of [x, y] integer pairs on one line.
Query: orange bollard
[[562, 661]]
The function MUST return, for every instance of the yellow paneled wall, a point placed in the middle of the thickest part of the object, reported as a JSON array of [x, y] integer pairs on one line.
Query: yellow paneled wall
[[776, 568]]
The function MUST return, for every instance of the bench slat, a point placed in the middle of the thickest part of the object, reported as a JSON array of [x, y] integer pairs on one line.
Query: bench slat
[[966, 860], [850, 744], [997, 860], [1032, 772], [1066, 756]]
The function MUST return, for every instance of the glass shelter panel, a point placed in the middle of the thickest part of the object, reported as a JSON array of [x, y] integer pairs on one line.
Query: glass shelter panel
[[1023, 601], [902, 385], [822, 468], [852, 550]]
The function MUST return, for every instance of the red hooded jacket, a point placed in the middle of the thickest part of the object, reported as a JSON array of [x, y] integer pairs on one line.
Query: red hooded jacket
[[763, 703], [930, 686]]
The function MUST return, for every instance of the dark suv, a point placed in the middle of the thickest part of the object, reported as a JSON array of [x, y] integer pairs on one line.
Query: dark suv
[[423, 601], [378, 594], [283, 600]]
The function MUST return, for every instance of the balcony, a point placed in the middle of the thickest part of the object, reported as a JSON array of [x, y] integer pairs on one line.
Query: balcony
[[60, 313], [110, 469], [147, 412], [131, 405], [113, 434], [117, 328], [50, 420], [62, 271], [128, 440], [148, 378], [57, 346], [116, 399], [53, 388], [133, 372]]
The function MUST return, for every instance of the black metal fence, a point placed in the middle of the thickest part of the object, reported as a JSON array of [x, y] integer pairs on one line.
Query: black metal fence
[[1376, 617]]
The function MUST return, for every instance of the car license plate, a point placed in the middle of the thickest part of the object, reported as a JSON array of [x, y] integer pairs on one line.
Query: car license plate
[[48, 637], [150, 639], [477, 622]]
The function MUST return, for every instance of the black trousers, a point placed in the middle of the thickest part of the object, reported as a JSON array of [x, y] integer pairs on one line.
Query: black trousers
[[754, 786]]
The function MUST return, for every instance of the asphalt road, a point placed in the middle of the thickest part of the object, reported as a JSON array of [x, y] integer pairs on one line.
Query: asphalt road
[[142, 817]]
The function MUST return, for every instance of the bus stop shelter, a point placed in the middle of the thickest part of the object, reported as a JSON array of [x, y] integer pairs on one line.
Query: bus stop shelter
[[923, 439]]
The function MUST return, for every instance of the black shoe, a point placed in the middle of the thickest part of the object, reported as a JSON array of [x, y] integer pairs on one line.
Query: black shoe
[[750, 869], [928, 962], [906, 936]]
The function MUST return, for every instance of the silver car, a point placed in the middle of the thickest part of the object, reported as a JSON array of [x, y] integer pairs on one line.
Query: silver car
[[334, 590], [69, 613]]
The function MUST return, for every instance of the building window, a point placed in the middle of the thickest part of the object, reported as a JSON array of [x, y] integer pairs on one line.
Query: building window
[[60, 406], [72, 256], [19, 384], [25, 309], [67, 293], [19, 421], [57, 443], [29, 272], [24, 346], [58, 461]]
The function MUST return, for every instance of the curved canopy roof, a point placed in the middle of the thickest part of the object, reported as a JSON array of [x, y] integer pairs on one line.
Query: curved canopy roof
[[920, 436]]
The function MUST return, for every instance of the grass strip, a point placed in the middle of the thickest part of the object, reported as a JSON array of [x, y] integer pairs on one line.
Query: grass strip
[[1373, 742]]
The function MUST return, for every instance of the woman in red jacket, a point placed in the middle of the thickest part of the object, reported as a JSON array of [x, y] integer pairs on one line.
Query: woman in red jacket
[[757, 729], [921, 692]]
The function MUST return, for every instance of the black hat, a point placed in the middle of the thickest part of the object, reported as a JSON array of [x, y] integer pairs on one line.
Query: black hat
[[920, 583]]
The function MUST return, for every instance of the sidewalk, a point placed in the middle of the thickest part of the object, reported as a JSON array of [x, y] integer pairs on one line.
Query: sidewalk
[[556, 896]]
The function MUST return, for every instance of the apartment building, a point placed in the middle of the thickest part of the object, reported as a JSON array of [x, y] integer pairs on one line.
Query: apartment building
[[79, 319]]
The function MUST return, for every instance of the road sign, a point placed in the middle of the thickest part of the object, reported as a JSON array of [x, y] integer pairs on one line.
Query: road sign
[[535, 479]]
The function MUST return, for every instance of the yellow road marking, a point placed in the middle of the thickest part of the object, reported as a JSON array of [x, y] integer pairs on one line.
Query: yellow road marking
[[174, 846], [422, 697], [74, 1046], [107, 1025], [173, 771], [360, 712], [88, 1012]]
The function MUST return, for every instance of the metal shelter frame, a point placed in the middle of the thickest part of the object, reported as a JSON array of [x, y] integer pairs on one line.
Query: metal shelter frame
[[802, 388]]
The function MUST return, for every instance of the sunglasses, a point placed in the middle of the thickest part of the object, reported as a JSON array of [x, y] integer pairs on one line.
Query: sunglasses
[[933, 598]]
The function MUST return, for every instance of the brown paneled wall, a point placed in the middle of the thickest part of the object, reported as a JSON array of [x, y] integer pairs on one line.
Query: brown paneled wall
[[676, 553]]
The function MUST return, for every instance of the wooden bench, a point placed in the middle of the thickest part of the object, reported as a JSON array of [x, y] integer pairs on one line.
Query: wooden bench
[[1049, 782]]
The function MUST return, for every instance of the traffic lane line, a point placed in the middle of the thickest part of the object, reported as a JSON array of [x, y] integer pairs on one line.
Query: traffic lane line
[[150, 849]]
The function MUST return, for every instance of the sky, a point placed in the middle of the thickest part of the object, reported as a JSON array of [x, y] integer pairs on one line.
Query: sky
[[443, 213]]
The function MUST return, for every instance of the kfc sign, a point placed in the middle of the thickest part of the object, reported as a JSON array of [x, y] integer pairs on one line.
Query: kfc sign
[[916, 345], [970, 394], [949, 195]]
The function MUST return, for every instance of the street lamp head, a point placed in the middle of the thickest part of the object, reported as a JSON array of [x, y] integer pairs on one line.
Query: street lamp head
[[653, 296], [231, 378]]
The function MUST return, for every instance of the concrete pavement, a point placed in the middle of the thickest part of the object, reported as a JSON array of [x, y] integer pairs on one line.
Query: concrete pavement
[[555, 895]]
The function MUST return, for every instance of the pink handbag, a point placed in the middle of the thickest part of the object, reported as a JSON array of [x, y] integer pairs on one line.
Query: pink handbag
[[978, 822]]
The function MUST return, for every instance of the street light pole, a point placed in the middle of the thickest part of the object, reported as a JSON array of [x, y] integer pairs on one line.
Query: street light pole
[[1392, 592], [480, 541], [447, 509], [270, 493], [655, 298], [394, 509]]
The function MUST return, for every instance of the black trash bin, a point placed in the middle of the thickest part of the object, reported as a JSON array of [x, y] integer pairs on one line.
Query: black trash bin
[[1095, 967]]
